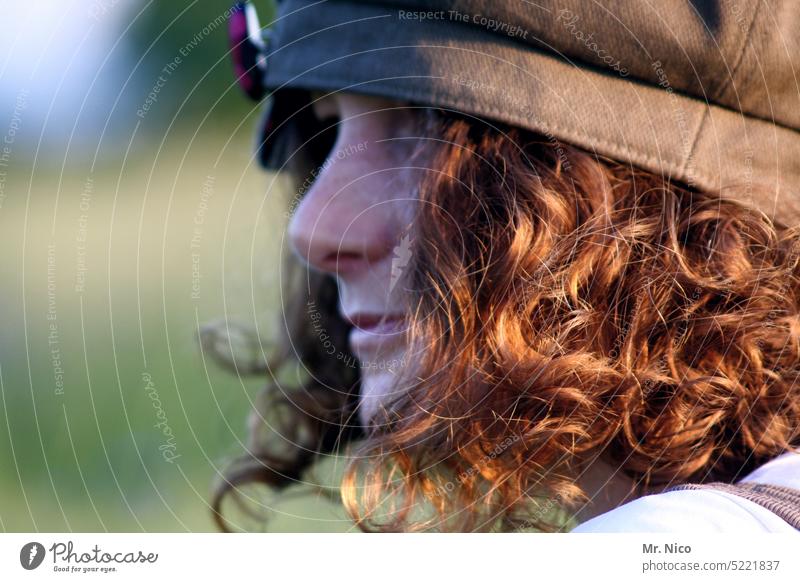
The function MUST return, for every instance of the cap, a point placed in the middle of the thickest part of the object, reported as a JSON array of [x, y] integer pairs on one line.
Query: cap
[[703, 92]]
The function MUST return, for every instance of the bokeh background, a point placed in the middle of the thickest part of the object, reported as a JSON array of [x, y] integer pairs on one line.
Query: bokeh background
[[124, 230]]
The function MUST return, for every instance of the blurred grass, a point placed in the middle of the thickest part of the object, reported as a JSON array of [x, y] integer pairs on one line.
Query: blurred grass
[[89, 459]]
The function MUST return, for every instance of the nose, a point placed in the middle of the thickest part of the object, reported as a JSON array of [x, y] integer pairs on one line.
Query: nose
[[344, 223]]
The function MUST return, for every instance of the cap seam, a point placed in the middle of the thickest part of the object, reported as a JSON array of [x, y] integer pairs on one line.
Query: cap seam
[[740, 56], [695, 139]]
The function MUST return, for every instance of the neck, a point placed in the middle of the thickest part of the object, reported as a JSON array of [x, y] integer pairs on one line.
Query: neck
[[606, 487]]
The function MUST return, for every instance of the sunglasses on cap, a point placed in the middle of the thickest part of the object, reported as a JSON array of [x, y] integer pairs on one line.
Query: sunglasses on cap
[[248, 44], [287, 122]]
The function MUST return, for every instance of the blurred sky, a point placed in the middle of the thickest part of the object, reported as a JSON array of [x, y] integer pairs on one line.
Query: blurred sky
[[85, 67], [69, 59]]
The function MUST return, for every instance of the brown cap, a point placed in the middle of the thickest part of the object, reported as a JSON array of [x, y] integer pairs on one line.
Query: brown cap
[[705, 92]]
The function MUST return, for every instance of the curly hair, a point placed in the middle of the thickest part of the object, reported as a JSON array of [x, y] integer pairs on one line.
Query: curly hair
[[564, 308]]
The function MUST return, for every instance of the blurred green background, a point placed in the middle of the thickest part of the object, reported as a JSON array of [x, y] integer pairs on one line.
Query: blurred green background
[[121, 234]]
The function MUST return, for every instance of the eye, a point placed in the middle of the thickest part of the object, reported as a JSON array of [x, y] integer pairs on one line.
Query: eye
[[325, 127]]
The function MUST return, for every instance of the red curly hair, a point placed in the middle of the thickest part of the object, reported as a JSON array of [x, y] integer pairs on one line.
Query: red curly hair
[[564, 308]]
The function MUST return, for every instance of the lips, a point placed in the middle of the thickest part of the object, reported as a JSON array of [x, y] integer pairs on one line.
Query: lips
[[372, 333], [369, 322]]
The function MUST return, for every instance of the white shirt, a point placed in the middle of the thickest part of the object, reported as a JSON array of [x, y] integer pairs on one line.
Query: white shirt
[[700, 511]]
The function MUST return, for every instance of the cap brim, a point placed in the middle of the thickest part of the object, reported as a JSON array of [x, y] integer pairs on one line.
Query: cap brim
[[363, 48]]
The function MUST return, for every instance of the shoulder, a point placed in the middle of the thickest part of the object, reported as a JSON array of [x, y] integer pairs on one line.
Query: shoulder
[[783, 470], [702, 511], [695, 511]]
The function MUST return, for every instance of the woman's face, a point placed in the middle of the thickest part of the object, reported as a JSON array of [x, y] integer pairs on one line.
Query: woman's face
[[354, 223]]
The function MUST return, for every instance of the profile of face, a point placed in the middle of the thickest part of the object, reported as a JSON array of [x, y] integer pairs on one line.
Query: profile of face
[[355, 224]]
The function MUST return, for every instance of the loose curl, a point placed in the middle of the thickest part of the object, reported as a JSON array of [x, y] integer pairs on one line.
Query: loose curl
[[565, 308]]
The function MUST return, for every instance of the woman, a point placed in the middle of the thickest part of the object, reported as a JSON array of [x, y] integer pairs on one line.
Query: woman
[[548, 263]]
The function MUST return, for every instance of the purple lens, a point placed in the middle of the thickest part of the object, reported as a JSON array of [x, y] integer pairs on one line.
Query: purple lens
[[246, 50]]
